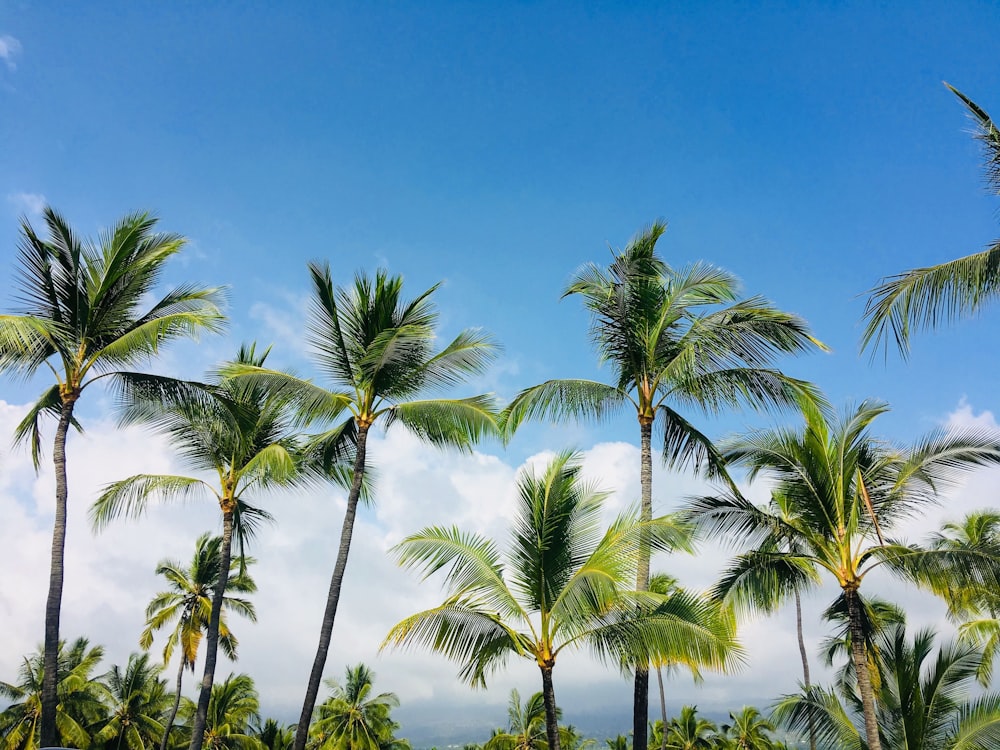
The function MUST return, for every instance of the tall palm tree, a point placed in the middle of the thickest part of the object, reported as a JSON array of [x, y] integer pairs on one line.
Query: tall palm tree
[[138, 700], [924, 700], [845, 490], [188, 605], [80, 699], [564, 584], [677, 340], [352, 718], [377, 350], [922, 298], [241, 432], [82, 315]]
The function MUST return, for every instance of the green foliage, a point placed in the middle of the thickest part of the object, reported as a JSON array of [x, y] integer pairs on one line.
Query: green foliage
[[233, 709], [138, 699], [924, 298], [81, 699], [353, 718], [924, 699]]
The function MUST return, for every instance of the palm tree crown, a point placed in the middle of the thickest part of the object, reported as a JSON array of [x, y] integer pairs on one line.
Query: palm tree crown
[[353, 718], [377, 350], [676, 339], [241, 431], [843, 491], [564, 584], [83, 316]]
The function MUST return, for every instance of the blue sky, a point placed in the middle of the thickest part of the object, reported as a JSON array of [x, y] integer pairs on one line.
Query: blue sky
[[808, 148]]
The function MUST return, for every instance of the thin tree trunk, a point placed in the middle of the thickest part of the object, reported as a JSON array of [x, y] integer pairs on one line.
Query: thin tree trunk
[[212, 638], [640, 696], [48, 733], [805, 664], [860, 655], [549, 698], [177, 702], [663, 708], [333, 597]]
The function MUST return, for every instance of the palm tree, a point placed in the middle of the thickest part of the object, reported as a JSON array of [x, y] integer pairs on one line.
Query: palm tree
[[923, 700], [571, 739], [352, 718], [138, 700], [272, 735], [677, 339], [232, 711], [845, 490], [620, 742], [922, 298], [82, 315], [79, 699], [188, 604], [977, 608], [376, 348], [688, 731], [525, 725], [564, 584], [240, 431], [749, 730]]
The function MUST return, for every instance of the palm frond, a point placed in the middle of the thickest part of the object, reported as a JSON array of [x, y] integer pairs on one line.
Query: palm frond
[[562, 399], [130, 497], [458, 423]]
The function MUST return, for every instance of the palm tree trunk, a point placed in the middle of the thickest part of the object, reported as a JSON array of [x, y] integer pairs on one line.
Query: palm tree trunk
[[177, 702], [805, 663], [333, 597], [640, 696], [212, 637], [549, 698], [860, 656], [48, 734], [663, 708]]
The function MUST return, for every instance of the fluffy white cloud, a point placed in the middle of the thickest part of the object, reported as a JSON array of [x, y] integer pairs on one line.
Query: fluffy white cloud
[[29, 204], [110, 576], [10, 49]]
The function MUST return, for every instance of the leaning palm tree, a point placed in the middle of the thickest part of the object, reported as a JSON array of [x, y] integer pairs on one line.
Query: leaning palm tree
[[138, 699], [83, 316], [925, 700], [241, 432], [564, 584], [677, 340], [353, 718], [188, 605], [923, 298], [377, 350], [80, 699], [845, 490]]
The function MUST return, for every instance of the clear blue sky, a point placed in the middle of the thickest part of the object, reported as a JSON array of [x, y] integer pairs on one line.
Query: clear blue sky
[[810, 148]]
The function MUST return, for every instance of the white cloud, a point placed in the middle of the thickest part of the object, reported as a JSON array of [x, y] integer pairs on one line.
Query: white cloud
[[29, 204], [10, 49], [110, 578]]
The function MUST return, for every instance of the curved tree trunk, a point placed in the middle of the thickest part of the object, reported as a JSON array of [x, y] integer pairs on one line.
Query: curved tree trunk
[[549, 698], [860, 656], [212, 637], [177, 702], [333, 597], [640, 696], [663, 708], [48, 734], [805, 663]]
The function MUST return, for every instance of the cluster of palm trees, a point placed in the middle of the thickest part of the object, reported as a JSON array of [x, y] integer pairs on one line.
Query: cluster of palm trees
[[680, 341], [132, 707]]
